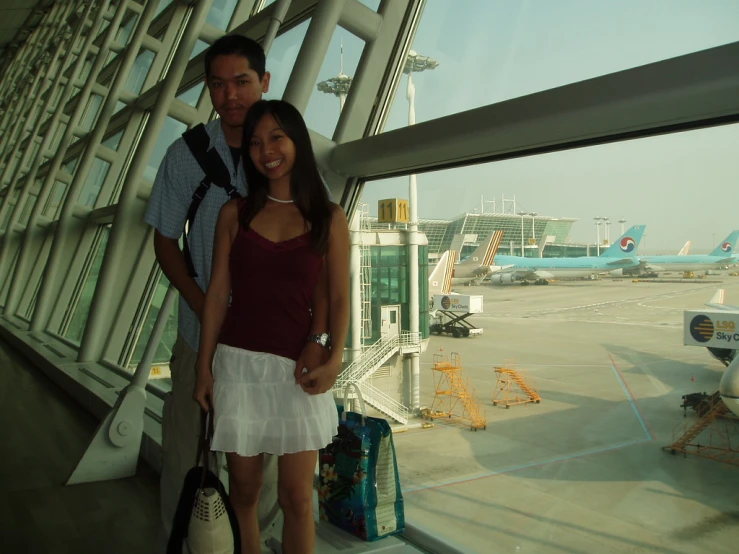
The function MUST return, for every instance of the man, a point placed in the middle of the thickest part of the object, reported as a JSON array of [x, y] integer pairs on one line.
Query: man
[[236, 78]]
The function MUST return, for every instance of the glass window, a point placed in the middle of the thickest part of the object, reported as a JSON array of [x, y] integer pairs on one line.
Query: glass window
[[139, 71], [34, 282], [82, 303], [27, 208], [220, 13], [171, 130], [163, 4], [281, 58], [91, 111], [200, 46], [124, 33], [338, 68], [54, 202], [70, 166], [164, 350], [86, 68], [488, 52], [118, 107], [192, 95], [93, 184], [113, 141]]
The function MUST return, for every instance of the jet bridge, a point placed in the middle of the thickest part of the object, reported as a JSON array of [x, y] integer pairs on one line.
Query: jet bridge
[[449, 313]]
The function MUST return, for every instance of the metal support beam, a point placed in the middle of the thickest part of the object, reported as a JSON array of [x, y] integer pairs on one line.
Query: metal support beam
[[686, 92]]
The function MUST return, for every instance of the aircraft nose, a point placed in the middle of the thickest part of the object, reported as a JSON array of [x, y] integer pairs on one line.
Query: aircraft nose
[[729, 387]]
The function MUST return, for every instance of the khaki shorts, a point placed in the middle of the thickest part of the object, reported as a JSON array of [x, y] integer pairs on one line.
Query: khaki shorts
[[180, 433]]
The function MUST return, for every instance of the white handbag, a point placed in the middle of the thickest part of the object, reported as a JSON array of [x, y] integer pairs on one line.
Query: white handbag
[[209, 530]]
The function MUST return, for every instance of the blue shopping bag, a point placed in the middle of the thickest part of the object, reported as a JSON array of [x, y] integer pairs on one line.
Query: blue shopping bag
[[359, 486]]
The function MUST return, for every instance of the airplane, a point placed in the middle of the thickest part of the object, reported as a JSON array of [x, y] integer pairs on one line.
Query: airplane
[[472, 270], [619, 255], [721, 256]]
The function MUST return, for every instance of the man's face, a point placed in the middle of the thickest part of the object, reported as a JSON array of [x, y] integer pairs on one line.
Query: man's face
[[234, 86]]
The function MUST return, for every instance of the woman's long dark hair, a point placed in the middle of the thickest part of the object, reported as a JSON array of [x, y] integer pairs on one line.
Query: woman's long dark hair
[[306, 186]]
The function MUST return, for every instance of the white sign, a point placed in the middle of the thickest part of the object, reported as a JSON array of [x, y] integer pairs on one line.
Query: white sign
[[460, 303], [714, 328]]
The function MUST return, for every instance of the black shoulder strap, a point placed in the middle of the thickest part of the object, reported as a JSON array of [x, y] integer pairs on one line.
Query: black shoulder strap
[[216, 172]]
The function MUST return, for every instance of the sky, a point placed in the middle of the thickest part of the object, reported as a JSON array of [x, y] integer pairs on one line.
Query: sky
[[682, 186]]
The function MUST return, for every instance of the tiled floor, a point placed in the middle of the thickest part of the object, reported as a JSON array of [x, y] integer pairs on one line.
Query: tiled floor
[[44, 433]]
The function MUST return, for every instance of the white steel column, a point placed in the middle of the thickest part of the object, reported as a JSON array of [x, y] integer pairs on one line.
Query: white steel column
[[355, 272], [413, 242], [94, 336]]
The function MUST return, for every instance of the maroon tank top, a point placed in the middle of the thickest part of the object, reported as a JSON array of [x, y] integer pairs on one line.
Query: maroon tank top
[[272, 286]]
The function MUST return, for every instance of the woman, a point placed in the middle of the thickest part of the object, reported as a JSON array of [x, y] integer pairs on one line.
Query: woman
[[271, 250]]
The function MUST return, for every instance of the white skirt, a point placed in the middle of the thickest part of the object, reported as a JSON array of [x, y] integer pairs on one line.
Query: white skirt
[[258, 407]]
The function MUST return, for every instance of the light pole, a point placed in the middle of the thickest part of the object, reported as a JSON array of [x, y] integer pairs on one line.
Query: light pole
[[523, 254], [607, 222], [339, 85], [622, 221], [414, 63], [597, 234]]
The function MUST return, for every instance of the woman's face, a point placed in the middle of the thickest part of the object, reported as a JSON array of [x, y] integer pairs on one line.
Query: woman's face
[[271, 150]]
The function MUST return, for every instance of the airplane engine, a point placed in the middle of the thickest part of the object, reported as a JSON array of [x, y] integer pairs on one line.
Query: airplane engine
[[505, 278], [729, 387]]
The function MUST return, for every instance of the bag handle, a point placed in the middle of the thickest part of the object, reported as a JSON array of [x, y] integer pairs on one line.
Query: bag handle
[[363, 410], [206, 437]]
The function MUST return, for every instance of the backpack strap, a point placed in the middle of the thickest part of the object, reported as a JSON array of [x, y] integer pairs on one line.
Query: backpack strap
[[216, 172]]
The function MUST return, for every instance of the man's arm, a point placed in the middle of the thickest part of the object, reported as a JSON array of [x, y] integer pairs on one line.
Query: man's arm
[[172, 261], [167, 211]]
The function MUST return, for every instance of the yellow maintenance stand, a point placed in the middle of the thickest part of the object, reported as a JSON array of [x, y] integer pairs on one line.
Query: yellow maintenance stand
[[454, 397], [511, 387]]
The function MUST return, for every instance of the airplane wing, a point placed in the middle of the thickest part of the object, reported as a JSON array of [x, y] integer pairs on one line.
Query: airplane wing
[[622, 262], [517, 272]]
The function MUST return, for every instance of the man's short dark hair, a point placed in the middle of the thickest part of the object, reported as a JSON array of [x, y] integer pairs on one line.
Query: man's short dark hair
[[240, 45]]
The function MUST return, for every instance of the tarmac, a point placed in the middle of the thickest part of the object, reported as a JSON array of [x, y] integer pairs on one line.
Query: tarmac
[[583, 471]]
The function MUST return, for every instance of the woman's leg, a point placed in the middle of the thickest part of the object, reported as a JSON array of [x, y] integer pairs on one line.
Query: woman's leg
[[295, 485], [244, 484]]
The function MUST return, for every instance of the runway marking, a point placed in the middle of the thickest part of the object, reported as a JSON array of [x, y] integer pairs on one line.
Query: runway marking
[[632, 400], [487, 474]]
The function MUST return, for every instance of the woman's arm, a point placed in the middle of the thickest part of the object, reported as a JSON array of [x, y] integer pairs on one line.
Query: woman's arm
[[337, 265], [216, 302], [313, 354]]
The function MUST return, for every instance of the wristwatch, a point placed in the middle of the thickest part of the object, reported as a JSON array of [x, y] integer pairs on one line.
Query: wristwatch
[[324, 339]]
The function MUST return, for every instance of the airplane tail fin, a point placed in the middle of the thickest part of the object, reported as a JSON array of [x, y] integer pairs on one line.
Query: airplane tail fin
[[718, 301], [685, 249], [718, 297], [440, 280], [626, 245], [727, 247], [485, 253]]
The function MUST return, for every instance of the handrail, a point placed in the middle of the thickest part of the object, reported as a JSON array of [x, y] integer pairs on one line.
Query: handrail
[[375, 397]]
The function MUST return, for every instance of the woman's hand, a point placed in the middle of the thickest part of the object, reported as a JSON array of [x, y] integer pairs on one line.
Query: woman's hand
[[203, 394], [322, 378], [312, 356]]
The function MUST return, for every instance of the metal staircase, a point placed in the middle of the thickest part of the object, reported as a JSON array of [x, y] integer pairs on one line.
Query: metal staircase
[[717, 409], [368, 363], [365, 275], [511, 388]]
